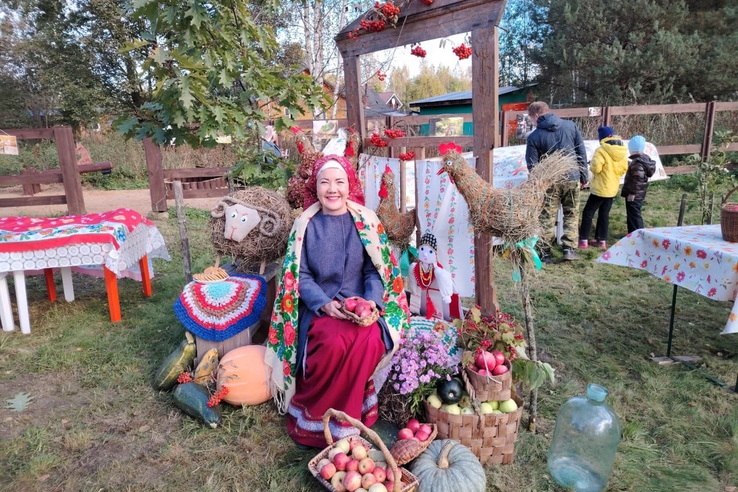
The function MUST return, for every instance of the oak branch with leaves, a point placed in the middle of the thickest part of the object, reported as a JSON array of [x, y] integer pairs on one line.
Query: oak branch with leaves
[[213, 72]]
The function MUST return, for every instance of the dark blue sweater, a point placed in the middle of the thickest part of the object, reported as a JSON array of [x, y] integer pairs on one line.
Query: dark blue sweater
[[552, 134]]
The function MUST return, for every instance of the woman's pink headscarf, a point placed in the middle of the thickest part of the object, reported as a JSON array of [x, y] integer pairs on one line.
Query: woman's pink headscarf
[[356, 194]]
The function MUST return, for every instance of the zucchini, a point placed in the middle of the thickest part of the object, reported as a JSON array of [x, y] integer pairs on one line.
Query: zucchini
[[176, 363], [206, 367], [192, 399]]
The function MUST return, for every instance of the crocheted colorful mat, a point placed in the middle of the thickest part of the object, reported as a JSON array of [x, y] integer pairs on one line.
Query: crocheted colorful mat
[[218, 311]]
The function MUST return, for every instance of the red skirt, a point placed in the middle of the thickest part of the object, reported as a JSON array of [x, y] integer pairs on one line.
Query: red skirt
[[340, 360]]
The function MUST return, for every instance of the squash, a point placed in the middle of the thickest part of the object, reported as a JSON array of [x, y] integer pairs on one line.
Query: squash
[[176, 363], [192, 399], [448, 466], [207, 366], [243, 371], [449, 391]]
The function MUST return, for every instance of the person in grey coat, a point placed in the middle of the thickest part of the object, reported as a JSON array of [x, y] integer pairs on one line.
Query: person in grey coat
[[551, 134]]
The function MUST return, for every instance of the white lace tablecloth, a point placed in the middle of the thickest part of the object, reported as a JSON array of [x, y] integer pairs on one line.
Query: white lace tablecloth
[[694, 257]]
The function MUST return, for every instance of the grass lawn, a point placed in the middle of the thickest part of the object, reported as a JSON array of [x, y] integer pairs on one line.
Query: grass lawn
[[96, 424]]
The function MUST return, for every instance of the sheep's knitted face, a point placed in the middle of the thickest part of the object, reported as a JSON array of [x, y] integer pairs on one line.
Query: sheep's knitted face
[[239, 221]]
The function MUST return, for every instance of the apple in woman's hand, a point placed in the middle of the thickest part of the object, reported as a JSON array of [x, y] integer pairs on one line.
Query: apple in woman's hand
[[350, 304]]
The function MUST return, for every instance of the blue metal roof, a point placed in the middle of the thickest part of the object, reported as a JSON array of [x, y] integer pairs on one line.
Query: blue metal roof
[[460, 96]]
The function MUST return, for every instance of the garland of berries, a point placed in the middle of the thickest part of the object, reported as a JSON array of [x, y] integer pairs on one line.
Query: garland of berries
[[408, 156], [394, 133], [377, 140], [388, 9], [463, 51], [184, 378], [418, 51], [217, 396]]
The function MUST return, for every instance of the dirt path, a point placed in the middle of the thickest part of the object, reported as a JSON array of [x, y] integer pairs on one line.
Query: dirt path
[[95, 200]]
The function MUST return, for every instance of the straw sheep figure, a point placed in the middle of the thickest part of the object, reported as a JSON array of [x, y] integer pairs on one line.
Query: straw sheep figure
[[251, 226]]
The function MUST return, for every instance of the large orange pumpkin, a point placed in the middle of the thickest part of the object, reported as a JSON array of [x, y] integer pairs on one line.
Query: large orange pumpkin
[[243, 371]]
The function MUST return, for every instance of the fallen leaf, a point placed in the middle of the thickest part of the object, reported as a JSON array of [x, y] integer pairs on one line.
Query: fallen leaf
[[79, 349], [691, 404], [8, 419], [65, 421], [730, 488], [8, 372], [19, 402], [144, 428], [719, 354], [43, 478]]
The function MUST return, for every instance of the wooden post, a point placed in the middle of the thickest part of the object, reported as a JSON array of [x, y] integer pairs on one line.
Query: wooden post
[[485, 89], [505, 130], [29, 189], [64, 140], [606, 116], [354, 94], [403, 183], [182, 223], [419, 156], [709, 129], [155, 171]]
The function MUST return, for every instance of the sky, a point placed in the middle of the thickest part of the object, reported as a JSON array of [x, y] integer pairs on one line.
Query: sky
[[435, 55]]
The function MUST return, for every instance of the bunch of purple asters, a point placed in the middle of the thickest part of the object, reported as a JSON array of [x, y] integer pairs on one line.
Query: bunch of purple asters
[[420, 362]]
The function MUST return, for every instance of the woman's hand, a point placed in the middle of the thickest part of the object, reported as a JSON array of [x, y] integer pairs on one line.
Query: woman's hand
[[333, 309]]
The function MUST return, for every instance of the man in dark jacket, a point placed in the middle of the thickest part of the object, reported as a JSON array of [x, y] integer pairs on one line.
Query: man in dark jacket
[[552, 134], [641, 168]]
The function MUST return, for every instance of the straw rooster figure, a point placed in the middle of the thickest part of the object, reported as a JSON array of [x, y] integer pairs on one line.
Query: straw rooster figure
[[399, 226], [512, 215], [308, 156]]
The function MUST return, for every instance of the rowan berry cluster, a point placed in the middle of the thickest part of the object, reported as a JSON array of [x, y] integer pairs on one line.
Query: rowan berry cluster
[[381, 76], [373, 25], [463, 51], [388, 9], [418, 51], [394, 133], [184, 378], [217, 396], [377, 140], [407, 156]]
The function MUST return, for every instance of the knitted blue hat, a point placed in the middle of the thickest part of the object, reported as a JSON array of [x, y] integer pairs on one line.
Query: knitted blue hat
[[637, 144], [604, 132]]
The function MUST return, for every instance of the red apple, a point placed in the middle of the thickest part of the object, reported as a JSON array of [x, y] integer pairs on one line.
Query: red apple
[[353, 443], [405, 433], [499, 356], [350, 304], [341, 460], [323, 462], [390, 486], [380, 475], [426, 428], [367, 480], [482, 372], [501, 369], [359, 453], [337, 481], [485, 357], [413, 425], [352, 465], [422, 436], [352, 481], [366, 466], [327, 471]]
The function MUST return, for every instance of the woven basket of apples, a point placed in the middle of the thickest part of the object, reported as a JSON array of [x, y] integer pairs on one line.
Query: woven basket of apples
[[489, 428], [412, 440], [359, 311], [353, 464], [490, 375]]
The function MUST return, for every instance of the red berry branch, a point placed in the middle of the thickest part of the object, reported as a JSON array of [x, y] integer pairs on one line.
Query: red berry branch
[[217, 396], [418, 51], [184, 378], [388, 9], [463, 51], [377, 140], [394, 133], [381, 76], [408, 156]]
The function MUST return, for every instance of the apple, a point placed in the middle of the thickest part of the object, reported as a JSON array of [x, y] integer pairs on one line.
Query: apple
[[381, 464], [344, 445], [352, 465], [452, 409], [435, 401], [341, 460], [352, 481], [426, 428], [323, 462], [327, 471], [367, 480], [333, 452], [353, 443], [422, 436], [380, 474], [378, 487], [405, 434], [467, 411], [499, 356], [361, 489], [496, 411], [389, 486], [337, 481], [501, 369], [413, 425], [495, 404], [366, 466], [359, 453], [508, 406], [376, 455], [483, 372], [350, 304], [486, 408], [485, 360]]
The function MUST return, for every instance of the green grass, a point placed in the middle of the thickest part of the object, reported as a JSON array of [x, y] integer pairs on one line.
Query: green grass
[[96, 424]]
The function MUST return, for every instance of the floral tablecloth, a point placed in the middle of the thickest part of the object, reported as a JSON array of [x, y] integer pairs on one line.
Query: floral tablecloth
[[116, 239], [694, 257]]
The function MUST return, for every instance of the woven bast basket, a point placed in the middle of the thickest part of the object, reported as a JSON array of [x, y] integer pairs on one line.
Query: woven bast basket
[[406, 450], [366, 321], [497, 388], [404, 480], [729, 219], [491, 437]]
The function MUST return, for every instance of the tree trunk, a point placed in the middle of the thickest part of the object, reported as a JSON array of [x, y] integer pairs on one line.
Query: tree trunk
[[532, 348]]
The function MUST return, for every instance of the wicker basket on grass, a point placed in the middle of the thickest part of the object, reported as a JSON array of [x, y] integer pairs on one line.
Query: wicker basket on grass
[[729, 219], [491, 437], [406, 450], [404, 480], [497, 388]]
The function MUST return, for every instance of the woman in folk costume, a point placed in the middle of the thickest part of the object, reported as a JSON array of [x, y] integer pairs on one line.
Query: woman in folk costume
[[319, 359]]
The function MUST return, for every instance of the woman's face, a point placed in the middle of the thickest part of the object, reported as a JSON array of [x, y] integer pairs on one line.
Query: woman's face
[[333, 191]]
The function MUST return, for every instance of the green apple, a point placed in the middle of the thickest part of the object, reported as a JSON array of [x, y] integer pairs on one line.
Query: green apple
[[496, 411], [452, 409], [486, 408], [508, 406], [467, 411], [435, 401], [495, 404]]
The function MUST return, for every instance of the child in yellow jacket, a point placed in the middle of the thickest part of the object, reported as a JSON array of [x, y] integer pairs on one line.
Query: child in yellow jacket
[[608, 165]]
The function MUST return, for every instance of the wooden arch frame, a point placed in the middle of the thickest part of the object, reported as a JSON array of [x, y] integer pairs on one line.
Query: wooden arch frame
[[419, 22]]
